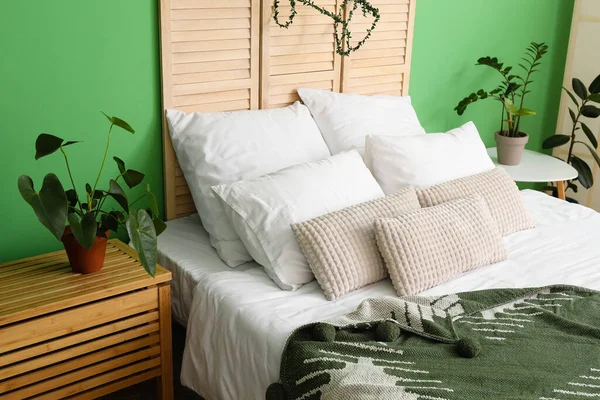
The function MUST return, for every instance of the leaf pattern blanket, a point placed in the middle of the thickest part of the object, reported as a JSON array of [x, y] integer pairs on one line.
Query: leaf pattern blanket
[[541, 343]]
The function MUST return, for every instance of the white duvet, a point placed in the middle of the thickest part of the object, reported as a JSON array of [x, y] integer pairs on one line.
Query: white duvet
[[239, 320]]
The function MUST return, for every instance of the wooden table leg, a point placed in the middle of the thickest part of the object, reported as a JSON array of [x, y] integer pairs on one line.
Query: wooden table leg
[[560, 185], [165, 386]]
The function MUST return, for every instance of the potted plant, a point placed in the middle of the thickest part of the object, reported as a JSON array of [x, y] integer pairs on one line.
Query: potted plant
[[89, 220], [584, 109], [511, 93]]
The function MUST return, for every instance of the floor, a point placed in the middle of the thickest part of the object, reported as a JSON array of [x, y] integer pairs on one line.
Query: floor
[[147, 390]]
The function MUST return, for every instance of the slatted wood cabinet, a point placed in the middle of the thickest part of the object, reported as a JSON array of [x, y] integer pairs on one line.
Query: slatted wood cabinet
[[72, 336]]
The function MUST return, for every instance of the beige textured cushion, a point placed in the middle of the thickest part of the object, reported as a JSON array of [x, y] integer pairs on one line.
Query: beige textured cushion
[[496, 187], [340, 247], [427, 247]]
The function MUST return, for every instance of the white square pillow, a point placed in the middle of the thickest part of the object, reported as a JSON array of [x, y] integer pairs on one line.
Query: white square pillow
[[263, 209], [226, 147], [346, 119], [426, 160]]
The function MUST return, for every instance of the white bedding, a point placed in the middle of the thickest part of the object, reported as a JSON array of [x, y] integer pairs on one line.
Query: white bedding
[[239, 321]]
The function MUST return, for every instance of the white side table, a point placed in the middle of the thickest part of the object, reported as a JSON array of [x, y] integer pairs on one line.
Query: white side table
[[538, 167]]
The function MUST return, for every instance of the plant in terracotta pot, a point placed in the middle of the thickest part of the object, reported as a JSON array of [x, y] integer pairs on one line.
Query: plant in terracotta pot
[[84, 222], [583, 100], [511, 93]]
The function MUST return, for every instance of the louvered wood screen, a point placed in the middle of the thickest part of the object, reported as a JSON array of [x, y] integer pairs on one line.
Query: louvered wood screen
[[227, 55]]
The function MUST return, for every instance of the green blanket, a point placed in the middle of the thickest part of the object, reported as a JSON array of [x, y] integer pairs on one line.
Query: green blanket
[[541, 344]]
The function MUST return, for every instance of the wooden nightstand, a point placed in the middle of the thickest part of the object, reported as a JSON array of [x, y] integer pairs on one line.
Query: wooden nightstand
[[65, 335]]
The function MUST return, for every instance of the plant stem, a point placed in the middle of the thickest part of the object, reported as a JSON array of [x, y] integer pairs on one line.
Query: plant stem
[[103, 162], [71, 176], [570, 156]]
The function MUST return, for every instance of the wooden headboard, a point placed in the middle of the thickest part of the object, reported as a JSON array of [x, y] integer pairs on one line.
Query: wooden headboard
[[227, 55]]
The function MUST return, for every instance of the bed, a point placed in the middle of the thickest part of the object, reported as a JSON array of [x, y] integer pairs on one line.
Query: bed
[[239, 320], [229, 56]]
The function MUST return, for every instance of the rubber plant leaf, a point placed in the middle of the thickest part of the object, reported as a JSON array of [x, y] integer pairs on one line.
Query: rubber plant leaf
[[590, 135], [84, 230], [593, 152], [46, 144], [117, 193], [555, 141], [572, 96], [590, 111], [580, 89], [573, 116], [595, 97], [595, 85], [143, 237], [585, 172], [49, 204]]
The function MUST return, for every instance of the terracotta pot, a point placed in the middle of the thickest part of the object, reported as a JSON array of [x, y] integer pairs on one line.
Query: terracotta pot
[[82, 260], [510, 149]]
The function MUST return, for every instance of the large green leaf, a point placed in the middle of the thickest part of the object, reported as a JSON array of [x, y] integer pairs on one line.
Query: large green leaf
[[120, 123], [555, 141], [590, 135], [84, 230], [595, 97], [580, 89], [590, 111], [116, 192], [595, 85], [143, 237], [132, 178], [585, 172], [46, 144], [49, 204]]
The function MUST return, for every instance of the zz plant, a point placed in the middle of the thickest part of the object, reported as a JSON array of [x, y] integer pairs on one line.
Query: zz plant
[[512, 89], [583, 100], [87, 214], [341, 19]]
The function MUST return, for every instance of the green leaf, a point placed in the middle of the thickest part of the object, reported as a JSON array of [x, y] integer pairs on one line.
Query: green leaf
[[143, 237], [132, 178], [117, 193], [525, 112], [595, 86], [50, 204], [572, 96], [579, 89], [84, 230], [46, 144], [71, 197], [595, 97], [555, 141], [590, 135], [590, 111], [110, 221], [573, 116], [71, 142], [585, 173], [593, 152], [159, 224], [120, 123]]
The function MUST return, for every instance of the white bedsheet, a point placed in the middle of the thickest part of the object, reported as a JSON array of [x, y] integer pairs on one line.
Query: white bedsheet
[[239, 321], [185, 250]]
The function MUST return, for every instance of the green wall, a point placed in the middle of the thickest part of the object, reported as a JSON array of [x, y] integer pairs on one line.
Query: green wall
[[64, 61]]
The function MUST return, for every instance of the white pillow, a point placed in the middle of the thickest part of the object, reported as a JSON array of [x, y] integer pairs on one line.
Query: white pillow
[[263, 209], [426, 160], [225, 147], [346, 119]]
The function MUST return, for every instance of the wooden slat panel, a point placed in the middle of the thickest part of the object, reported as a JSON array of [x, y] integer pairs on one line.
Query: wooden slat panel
[[212, 52]]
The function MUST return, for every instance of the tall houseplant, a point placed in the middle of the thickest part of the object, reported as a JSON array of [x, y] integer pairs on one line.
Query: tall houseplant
[[88, 217], [511, 93], [584, 99]]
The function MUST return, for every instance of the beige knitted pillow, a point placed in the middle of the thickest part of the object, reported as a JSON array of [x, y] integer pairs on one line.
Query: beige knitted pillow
[[427, 247], [496, 187], [340, 247]]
